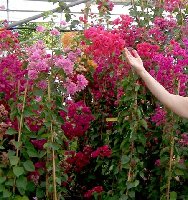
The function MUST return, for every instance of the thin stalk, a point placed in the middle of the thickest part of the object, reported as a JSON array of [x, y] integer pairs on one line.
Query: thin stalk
[[20, 125], [171, 152], [21, 117], [170, 167], [53, 153], [181, 14], [135, 105]]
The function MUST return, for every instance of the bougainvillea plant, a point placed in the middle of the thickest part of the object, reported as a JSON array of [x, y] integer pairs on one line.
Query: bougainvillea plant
[[76, 122]]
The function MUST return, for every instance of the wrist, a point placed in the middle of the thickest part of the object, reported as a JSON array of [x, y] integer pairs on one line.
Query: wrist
[[141, 71]]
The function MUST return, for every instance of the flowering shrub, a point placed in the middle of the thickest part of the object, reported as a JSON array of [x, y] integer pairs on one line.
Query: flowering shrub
[[79, 123]]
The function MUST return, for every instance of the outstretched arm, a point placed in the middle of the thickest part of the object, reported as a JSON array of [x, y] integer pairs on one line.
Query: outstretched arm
[[176, 103]]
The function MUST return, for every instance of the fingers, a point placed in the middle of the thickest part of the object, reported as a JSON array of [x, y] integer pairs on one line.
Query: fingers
[[127, 53], [135, 54]]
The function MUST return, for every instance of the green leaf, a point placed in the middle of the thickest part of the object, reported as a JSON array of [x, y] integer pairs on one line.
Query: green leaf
[[38, 93], [21, 198], [28, 165], [2, 179], [58, 180], [68, 17], [30, 187], [1, 188], [173, 195], [179, 172], [11, 153], [142, 139], [136, 183], [13, 160], [6, 193], [28, 113], [51, 145], [144, 123], [11, 131], [21, 190], [39, 193], [125, 159], [32, 152], [137, 87], [9, 182], [18, 171], [42, 130], [131, 194], [124, 197], [17, 144], [21, 182], [141, 149]]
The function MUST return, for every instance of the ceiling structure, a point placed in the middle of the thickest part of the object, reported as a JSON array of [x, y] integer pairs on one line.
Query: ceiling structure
[[16, 10]]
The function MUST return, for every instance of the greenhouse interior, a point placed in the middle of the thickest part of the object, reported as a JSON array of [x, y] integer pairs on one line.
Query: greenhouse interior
[[94, 99]]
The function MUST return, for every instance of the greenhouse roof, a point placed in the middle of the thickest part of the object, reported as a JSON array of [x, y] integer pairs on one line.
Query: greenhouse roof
[[16, 10]]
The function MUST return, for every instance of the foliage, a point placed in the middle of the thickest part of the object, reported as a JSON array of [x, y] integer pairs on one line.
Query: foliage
[[78, 123]]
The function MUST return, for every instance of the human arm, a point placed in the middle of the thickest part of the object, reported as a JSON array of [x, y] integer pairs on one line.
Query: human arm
[[176, 103]]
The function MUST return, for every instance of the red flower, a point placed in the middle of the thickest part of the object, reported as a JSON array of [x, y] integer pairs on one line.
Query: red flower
[[97, 189], [38, 144], [34, 176], [103, 151]]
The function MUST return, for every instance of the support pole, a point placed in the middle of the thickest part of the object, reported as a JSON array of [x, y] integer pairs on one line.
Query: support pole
[[58, 9]]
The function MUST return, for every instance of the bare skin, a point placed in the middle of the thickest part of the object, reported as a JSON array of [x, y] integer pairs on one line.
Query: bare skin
[[176, 103]]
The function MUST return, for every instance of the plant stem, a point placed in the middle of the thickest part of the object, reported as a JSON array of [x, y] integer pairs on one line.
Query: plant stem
[[53, 153], [21, 117], [134, 129], [20, 125], [170, 167]]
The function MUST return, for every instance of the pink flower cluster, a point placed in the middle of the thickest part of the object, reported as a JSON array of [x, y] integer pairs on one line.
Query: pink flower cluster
[[40, 29], [167, 23], [111, 44], [55, 32], [4, 120], [77, 119], [171, 5], [96, 189], [147, 50], [3, 112], [103, 41], [158, 162], [64, 63], [38, 60], [34, 176], [127, 31], [184, 139], [73, 82], [8, 41], [159, 117]]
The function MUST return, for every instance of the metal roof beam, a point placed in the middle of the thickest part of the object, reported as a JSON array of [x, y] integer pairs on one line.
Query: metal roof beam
[[58, 9]]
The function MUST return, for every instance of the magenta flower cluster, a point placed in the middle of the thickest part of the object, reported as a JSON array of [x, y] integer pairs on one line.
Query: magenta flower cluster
[[77, 120], [76, 161]]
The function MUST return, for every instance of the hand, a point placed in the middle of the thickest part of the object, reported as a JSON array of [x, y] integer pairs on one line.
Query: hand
[[135, 60]]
